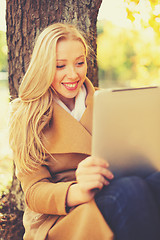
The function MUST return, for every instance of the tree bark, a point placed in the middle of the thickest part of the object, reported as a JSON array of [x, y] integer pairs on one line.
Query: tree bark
[[25, 19]]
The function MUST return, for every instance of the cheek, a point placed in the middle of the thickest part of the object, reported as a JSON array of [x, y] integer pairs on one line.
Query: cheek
[[57, 79], [83, 71]]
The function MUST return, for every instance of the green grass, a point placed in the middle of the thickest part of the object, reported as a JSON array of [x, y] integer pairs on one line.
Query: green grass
[[6, 165]]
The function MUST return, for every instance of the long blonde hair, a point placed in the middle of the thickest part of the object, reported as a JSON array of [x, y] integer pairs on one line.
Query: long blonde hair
[[33, 110]]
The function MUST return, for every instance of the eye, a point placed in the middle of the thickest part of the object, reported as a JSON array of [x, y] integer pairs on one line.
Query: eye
[[60, 66], [80, 63]]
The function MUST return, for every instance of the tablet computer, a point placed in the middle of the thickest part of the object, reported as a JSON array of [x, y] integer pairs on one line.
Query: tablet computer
[[126, 130]]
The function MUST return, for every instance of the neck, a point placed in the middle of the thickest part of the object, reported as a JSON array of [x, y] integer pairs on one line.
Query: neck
[[69, 102]]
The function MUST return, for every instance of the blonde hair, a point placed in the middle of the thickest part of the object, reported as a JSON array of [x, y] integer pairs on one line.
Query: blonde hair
[[32, 111]]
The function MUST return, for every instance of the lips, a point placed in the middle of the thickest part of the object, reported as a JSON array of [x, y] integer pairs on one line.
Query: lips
[[70, 85]]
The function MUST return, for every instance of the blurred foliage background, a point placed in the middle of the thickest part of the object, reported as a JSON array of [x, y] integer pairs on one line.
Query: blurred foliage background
[[128, 50], [3, 52], [5, 152]]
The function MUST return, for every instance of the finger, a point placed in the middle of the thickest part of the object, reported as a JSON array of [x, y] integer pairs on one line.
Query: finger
[[94, 161], [91, 186], [85, 179], [100, 161], [96, 170]]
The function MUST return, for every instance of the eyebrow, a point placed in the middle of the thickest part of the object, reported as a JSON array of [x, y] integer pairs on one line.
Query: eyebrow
[[75, 59]]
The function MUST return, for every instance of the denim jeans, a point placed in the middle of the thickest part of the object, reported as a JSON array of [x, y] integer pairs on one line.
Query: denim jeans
[[131, 207]]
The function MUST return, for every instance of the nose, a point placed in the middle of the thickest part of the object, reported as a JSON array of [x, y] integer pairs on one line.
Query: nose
[[71, 73]]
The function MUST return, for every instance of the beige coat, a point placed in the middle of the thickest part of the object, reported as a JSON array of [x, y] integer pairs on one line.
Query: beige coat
[[45, 217]]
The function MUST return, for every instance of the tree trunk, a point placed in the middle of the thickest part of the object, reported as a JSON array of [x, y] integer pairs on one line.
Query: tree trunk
[[25, 19]]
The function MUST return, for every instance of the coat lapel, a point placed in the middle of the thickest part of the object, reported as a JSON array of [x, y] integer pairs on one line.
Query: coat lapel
[[86, 119], [67, 135]]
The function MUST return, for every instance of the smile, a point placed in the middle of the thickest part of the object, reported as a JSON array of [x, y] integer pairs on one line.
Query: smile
[[71, 86]]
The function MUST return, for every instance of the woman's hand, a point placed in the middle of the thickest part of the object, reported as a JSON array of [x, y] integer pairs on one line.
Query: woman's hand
[[91, 175]]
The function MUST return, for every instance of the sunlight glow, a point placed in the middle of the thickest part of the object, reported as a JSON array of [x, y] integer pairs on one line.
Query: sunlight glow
[[157, 10], [115, 12], [2, 14]]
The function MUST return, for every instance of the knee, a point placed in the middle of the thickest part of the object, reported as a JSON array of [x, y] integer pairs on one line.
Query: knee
[[131, 184], [124, 196], [154, 178], [132, 188], [124, 191]]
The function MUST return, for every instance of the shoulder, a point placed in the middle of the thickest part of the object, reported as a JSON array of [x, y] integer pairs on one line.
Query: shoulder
[[97, 88]]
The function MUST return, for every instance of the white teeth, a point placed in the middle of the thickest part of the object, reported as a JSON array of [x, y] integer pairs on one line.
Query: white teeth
[[70, 85]]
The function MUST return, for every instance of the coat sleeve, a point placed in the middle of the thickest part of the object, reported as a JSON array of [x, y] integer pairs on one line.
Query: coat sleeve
[[43, 196]]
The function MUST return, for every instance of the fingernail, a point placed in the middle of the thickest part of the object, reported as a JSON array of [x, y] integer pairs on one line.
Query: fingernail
[[107, 183], [111, 176], [107, 164]]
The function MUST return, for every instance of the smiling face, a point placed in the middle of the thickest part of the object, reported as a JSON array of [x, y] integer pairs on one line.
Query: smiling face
[[71, 69]]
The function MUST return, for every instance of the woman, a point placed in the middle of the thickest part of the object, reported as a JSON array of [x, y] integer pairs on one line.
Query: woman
[[50, 134]]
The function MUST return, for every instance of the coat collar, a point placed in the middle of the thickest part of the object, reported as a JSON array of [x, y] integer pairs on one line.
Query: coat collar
[[67, 135]]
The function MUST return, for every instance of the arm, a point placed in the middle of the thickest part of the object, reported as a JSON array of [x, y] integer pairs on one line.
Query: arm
[[47, 197], [91, 175], [44, 196]]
